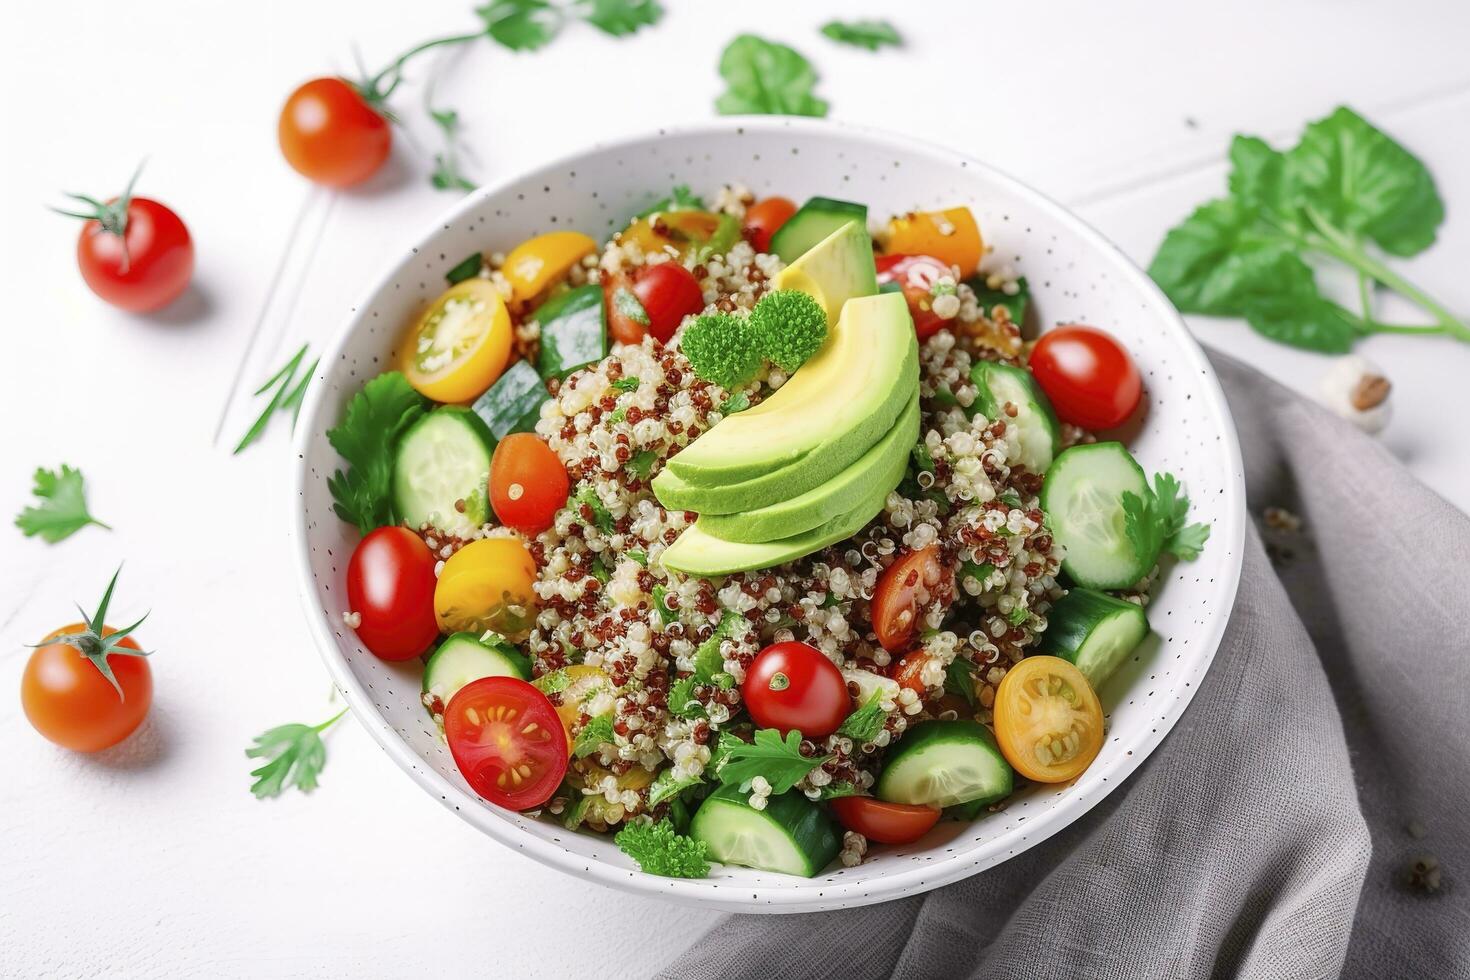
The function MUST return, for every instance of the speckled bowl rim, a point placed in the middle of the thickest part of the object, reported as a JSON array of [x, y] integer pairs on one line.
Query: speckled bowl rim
[[764, 897]]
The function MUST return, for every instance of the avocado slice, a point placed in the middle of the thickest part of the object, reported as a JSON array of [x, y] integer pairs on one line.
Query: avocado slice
[[834, 270], [883, 465], [697, 552]]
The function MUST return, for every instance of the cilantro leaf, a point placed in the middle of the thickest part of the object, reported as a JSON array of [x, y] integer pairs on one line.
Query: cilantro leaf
[[295, 755], [868, 34], [1154, 522], [626, 384], [708, 661], [600, 514], [660, 602], [769, 78], [959, 680], [597, 732], [864, 724], [521, 25], [659, 850], [375, 419], [681, 700], [62, 510], [620, 17], [667, 786], [642, 464], [779, 760], [682, 199]]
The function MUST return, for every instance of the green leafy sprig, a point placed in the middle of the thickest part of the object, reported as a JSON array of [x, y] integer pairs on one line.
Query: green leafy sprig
[[526, 25], [870, 34], [1345, 187], [660, 850], [62, 510], [1154, 522], [778, 759], [767, 78], [289, 391], [96, 644], [295, 756], [370, 428]]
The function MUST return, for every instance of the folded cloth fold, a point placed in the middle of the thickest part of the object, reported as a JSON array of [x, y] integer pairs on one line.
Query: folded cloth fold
[[1309, 816]]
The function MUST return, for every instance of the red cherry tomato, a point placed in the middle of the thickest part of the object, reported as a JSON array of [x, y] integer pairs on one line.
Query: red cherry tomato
[[507, 740], [909, 670], [886, 823], [622, 316], [669, 292], [390, 584], [1089, 377], [895, 605], [67, 699], [792, 686], [136, 254], [764, 218], [916, 275], [528, 483], [331, 135]]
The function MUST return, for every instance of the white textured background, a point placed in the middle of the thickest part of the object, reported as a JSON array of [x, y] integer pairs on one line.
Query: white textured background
[[153, 859]]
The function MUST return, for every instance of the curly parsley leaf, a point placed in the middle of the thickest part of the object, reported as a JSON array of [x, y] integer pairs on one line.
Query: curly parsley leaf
[[779, 760], [295, 754], [870, 34], [767, 78], [1155, 524], [596, 733], [660, 850], [864, 724], [62, 510], [375, 419], [521, 25], [620, 17]]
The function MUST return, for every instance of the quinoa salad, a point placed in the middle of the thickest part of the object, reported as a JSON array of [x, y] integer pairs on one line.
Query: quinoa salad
[[757, 534]]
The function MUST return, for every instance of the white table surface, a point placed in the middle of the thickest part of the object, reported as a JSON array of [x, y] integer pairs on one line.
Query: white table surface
[[152, 859]]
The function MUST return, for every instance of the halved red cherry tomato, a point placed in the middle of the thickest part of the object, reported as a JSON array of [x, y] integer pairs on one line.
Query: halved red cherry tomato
[[915, 275], [507, 741], [1089, 377], [390, 584], [908, 672], [764, 218], [793, 686], [528, 483], [896, 598], [886, 823], [661, 297]]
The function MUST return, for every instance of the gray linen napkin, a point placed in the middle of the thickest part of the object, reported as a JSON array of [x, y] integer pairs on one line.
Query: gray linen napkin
[[1274, 831]]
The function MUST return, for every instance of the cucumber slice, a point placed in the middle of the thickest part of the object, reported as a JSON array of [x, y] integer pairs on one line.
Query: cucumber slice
[[1083, 496], [1094, 631], [439, 471], [944, 763], [1040, 434], [573, 333], [791, 835], [514, 397], [464, 658], [814, 221]]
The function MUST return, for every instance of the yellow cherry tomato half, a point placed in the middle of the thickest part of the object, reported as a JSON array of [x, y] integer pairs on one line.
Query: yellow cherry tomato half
[[951, 236], [537, 263], [686, 232], [1048, 721], [460, 344], [486, 585]]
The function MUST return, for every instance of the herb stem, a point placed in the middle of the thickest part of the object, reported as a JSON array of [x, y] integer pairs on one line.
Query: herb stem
[[396, 67], [329, 722]]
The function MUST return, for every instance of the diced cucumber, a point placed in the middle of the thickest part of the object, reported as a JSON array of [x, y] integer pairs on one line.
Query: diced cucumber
[[792, 835], [439, 471], [989, 298], [514, 397], [1094, 631], [1040, 434], [573, 333], [1083, 497], [945, 763], [814, 221], [464, 657]]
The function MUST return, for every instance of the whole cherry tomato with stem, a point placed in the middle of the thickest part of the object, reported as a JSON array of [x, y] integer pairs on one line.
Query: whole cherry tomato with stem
[[337, 132], [133, 252], [793, 686], [764, 218], [1089, 377], [88, 686], [390, 590], [904, 586], [886, 823], [528, 483]]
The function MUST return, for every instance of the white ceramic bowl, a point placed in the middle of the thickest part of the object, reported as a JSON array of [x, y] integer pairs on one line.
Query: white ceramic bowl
[[1076, 276]]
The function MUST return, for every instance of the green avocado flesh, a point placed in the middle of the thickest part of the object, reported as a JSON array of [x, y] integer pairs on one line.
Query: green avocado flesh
[[697, 552], [834, 270], [816, 425], [883, 465]]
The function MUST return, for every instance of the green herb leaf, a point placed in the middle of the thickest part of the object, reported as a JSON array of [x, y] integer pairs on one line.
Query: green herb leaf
[[682, 199], [620, 17], [288, 394], [576, 809], [295, 755], [553, 682], [600, 572], [638, 555], [708, 661], [1154, 522], [62, 510], [627, 304], [642, 464], [375, 419], [521, 25], [446, 175], [838, 789], [681, 700], [667, 786], [868, 34], [737, 402], [468, 269], [596, 733], [788, 327], [722, 348], [959, 679], [864, 724], [600, 514], [1018, 615], [778, 759], [767, 78], [923, 461], [626, 384], [660, 597], [659, 850]]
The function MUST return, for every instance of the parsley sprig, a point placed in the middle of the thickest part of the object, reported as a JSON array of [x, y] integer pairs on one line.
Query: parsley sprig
[[769, 78], [62, 510], [870, 34], [526, 25], [1155, 524], [864, 724], [769, 755], [295, 756], [660, 850], [375, 419], [96, 644]]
